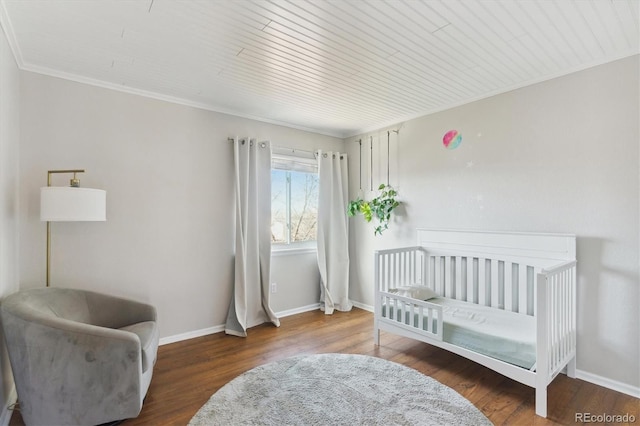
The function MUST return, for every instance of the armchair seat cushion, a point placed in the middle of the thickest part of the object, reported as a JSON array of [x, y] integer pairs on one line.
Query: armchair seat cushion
[[147, 332]]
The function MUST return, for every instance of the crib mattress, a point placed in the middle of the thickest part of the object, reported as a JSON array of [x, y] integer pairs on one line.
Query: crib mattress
[[496, 333]]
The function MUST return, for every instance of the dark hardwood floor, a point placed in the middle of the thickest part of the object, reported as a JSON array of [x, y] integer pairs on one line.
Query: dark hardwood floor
[[189, 372]]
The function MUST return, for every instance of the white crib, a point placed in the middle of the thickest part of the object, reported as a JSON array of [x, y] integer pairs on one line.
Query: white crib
[[511, 273]]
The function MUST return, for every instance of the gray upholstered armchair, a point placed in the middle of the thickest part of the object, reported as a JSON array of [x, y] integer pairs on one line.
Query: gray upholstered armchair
[[79, 357]]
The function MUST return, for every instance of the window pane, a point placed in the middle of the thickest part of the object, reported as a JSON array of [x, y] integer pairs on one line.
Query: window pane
[[304, 206], [279, 206], [294, 206]]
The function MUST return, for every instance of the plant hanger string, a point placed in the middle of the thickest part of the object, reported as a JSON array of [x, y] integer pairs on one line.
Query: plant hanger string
[[360, 143], [360, 192], [388, 154], [371, 165]]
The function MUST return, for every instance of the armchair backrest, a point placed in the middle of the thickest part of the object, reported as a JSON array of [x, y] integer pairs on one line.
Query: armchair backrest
[[81, 306]]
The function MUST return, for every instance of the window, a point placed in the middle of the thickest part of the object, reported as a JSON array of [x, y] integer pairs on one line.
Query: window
[[294, 200]]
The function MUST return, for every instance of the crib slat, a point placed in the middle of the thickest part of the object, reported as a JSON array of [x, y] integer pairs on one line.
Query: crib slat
[[432, 273], [454, 279], [384, 265], [384, 273], [405, 269], [443, 274], [389, 271], [522, 289], [448, 285], [531, 300], [464, 278], [460, 288], [441, 270], [567, 308], [436, 274], [411, 317], [557, 332], [384, 285], [508, 286], [413, 268], [501, 273], [558, 308], [553, 321], [495, 284], [565, 312], [394, 269], [482, 282], [386, 307], [472, 278], [562, 296], [396, 312]]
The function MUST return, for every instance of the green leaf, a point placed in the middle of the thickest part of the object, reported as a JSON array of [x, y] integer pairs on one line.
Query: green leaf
[[365, 208]]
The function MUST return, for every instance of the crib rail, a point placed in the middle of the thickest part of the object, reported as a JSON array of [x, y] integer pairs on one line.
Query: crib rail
[[484, 279], [416, 316], [502, 283], [399, 267]]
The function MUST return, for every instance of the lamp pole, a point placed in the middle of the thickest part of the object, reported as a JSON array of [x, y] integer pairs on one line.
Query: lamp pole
[[75, 183]]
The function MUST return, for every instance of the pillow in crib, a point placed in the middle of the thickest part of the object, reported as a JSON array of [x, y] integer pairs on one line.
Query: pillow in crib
[[419, 292]]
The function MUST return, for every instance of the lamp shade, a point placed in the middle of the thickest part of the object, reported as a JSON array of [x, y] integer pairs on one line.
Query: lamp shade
[[69, 204]]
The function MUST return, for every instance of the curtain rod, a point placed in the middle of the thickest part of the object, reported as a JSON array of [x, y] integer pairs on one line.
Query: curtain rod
[[313, 153], [294, 150]]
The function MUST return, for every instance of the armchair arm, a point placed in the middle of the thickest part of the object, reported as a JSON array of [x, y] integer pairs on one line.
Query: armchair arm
[[115, 312]]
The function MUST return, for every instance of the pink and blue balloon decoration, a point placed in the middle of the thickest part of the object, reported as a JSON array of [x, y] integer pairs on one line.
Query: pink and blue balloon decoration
[[451, 139]]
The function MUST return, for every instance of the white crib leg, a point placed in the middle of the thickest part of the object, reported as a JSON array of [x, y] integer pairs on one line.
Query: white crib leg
[[376, 333], [571, 368], [541, 401]]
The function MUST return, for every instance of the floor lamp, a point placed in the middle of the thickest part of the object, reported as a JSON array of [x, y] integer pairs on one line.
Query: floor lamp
[[69, 204]]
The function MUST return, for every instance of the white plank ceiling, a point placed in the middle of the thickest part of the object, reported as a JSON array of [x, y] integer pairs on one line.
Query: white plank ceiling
[[334, 67]]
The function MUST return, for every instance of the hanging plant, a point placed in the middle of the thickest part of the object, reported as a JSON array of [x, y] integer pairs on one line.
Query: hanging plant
[[379, 207]]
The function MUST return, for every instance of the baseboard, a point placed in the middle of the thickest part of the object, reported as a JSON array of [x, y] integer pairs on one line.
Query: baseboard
[[191, 334], [608, 383], [5, 416], [299, 310], [363, 306], [218, 328]]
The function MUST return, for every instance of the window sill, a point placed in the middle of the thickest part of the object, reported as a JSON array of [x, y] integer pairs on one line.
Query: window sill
[[288, 250]]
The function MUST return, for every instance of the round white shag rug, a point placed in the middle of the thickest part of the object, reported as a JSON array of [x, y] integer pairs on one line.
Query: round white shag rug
[[336, 389]]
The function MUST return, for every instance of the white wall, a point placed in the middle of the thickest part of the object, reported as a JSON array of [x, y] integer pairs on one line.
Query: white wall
[[298, 282], [559, 156], [9, 140], [167, 170]]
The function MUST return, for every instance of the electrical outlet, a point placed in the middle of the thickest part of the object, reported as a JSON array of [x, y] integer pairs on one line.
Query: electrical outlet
[[274, 287]]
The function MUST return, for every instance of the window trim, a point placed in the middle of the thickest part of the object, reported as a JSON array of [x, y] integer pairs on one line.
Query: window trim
[[283, 249]]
